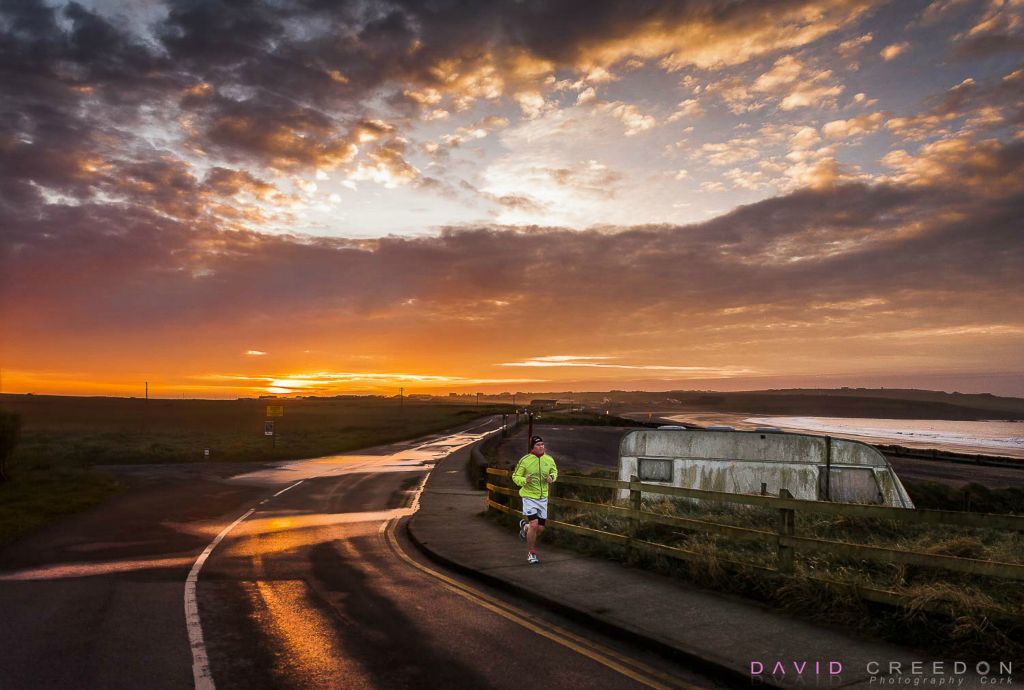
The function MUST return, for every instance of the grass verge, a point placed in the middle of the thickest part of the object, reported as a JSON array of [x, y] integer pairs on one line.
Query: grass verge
[[34, 499], [945, 613], [973, 497]]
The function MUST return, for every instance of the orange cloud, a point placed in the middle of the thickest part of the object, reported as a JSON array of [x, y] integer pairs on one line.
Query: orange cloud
[[894, 50], [708, 39], [862, 124], [960, 160]]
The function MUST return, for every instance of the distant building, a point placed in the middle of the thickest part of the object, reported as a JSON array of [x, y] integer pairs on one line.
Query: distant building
[[543, 404]]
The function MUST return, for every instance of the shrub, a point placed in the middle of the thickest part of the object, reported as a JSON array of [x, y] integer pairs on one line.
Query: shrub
[[10, 428]]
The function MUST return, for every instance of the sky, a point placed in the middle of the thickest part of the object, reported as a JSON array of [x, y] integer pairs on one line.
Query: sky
[[238, 198]]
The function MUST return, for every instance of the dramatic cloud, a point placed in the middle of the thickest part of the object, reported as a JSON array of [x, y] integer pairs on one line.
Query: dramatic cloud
[[865, 256], [393, 190]]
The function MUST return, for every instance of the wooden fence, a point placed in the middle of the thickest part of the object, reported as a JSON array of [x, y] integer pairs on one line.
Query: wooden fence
[[783, 537]]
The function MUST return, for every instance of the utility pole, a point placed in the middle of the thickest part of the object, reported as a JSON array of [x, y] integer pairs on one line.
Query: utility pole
[[478, 400], [529, 435]]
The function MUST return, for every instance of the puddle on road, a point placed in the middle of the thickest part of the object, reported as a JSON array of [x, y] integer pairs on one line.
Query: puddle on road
[[400, 459]]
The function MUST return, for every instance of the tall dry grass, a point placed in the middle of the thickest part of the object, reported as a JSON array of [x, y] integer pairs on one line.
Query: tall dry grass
[[943, 612]]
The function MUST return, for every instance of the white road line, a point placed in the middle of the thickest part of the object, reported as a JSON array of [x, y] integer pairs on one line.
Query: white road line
[[288, 487], [419, 492], [200, 662]]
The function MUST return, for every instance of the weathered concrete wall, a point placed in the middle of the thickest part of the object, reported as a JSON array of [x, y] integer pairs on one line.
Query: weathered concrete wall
[[740, 461]]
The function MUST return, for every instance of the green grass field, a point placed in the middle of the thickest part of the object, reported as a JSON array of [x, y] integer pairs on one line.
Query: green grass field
[[63, 439]]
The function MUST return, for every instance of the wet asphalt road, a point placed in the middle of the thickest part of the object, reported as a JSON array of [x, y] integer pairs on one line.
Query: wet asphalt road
[[310, 590]]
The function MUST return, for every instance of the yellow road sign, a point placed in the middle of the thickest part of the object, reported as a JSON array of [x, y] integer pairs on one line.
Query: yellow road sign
[[275, 410]]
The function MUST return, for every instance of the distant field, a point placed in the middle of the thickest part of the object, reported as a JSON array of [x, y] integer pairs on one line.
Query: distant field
[[94, 431], [63, 438]]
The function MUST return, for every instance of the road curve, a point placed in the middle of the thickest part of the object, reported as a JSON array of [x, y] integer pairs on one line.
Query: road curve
[[313, 588]]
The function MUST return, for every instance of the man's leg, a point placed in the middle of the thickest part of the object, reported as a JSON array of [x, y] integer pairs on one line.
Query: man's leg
[[537, 524], [532, 532]]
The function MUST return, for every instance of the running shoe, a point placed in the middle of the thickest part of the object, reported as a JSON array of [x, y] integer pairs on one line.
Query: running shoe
[[523, 526], [532, 559]]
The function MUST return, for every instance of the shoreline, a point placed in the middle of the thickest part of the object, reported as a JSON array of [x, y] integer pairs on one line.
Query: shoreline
[[742, 422]]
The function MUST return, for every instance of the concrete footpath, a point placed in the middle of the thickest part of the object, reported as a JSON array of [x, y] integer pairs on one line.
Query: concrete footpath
[[713, 633]]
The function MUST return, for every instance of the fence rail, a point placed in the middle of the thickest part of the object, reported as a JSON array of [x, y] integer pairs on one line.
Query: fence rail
[[783, 538]]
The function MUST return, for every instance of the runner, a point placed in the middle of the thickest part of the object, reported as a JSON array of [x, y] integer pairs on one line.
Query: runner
[[534, 473]]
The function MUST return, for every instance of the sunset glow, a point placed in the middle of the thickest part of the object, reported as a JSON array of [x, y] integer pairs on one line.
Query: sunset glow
[[302, 199]]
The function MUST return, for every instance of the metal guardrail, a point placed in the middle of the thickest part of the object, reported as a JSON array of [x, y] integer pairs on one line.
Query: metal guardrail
[[783, 537]]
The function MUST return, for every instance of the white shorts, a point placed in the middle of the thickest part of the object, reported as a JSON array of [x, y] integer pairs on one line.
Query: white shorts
[[535, 508]]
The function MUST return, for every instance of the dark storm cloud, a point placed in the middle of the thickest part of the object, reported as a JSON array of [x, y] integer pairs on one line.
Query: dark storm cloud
[[288, 84], [279, 134], [64, 83], [327, 56], [573, 30], [320, 52], [227, 182]]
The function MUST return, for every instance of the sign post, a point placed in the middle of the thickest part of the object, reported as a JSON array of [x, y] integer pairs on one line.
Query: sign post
[[268, 426]]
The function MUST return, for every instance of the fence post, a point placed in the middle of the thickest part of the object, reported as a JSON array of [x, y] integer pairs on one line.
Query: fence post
[[828, 468], [787, 527], [634, 505]]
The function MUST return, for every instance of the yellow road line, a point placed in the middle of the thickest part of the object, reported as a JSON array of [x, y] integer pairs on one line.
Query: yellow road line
[[631, 668]]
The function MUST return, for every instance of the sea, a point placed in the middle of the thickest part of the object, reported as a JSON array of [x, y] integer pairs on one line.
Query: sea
[[979, 437], [988, 437]]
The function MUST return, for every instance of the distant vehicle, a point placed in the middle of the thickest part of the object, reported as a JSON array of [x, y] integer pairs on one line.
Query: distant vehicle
[[721, 427], [769, 430], [671, 426]]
